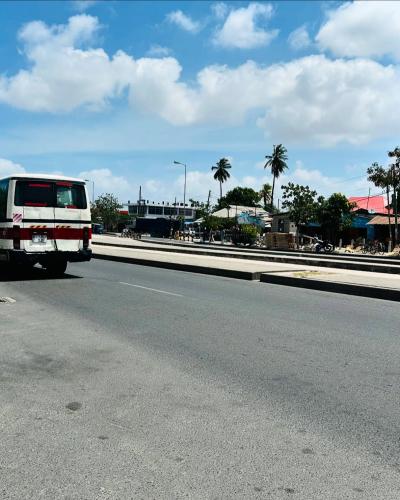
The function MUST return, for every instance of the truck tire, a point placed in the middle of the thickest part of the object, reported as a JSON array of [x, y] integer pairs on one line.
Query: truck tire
[[56, 267]]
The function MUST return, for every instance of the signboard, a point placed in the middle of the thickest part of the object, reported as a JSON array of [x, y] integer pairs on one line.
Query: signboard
[[245, 218]]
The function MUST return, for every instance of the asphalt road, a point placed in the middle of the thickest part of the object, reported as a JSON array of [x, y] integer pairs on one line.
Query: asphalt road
[[122, 381]]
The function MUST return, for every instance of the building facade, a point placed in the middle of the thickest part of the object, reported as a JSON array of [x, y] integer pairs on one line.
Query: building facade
[[365, 209], [165, 210]]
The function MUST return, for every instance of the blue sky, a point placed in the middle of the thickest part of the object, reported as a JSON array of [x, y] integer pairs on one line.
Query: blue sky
[[115, 91]]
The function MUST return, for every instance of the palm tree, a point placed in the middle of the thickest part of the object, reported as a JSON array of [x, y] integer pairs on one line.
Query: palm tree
[[277, 163], [221, 172], [265, 193]]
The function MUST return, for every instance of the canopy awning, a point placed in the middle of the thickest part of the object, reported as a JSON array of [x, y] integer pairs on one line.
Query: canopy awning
[[381, 220]]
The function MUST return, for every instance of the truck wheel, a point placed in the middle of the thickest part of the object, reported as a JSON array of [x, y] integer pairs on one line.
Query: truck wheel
[[56, 268]]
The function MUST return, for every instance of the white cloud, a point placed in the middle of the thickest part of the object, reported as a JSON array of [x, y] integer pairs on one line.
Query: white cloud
[[324, 185], [299, 39], [220, 10], [183, 21], [8, 167], [198, 184], [311, 99], [158, 51], [240, 29], [329, 101], [260, 165], [62, 76], [153, 186], [83, 5], [106, 182], [312, 177], [362, 29]]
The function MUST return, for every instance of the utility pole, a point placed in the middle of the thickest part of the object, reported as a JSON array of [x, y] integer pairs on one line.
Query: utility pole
[[388, 209], [396, 227], [184, 194], [394, 199], [395, 174], [141, 212], [208, 201]]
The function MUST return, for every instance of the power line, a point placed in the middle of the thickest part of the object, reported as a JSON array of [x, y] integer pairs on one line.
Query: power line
[[349, 179], [371, 196]]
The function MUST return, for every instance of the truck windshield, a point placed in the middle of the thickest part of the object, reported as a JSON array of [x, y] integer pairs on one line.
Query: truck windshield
[[50, 194]]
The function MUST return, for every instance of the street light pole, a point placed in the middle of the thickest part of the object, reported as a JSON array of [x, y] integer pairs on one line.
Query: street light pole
[[184, 193]]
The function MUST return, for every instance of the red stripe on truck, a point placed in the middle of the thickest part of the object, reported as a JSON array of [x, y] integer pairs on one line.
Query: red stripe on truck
[[8, 233]]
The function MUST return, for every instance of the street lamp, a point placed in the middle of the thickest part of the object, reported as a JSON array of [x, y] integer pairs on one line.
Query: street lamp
[[184, 192], [88, 180]]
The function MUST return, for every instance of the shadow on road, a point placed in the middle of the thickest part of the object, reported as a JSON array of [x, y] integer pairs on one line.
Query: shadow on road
[[34, 274]]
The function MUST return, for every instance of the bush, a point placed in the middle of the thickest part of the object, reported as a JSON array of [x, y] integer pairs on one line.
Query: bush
[[218, 223], [245, 235]]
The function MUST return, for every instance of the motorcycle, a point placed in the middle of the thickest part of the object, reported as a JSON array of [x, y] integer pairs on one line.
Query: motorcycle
[[323, 246]]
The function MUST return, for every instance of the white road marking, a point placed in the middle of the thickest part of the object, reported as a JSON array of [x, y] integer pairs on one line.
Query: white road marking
[[151, 289]]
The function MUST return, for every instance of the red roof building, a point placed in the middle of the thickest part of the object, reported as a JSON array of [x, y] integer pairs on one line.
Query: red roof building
[[373, 204]]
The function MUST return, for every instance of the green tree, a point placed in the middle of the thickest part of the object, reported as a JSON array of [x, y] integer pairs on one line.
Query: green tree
[[277, 163], [300, 201], [243, 196], [245, 234], [221, 172], [394, 170], [223, 203], [334, 214], [218, 223], [382, 178], [200, 206], [106, 209], [266, 195], [196, 203]]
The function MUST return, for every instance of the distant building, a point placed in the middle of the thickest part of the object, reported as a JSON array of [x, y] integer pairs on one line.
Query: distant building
[[281, 223], [245, 215], [370, 204], [165, 210], [366, 209]]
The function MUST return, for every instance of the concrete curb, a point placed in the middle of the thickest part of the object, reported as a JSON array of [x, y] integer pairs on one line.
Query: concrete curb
[[338, 264], [226, 273], [270, 278], [293, 253], [331, 286]]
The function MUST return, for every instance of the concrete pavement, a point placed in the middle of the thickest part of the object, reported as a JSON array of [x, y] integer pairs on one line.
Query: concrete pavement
[[126, 382], [375, 264], [364, 283], [204, 264]]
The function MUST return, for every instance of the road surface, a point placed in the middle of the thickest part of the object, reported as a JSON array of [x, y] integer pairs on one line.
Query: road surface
[[122, 381]]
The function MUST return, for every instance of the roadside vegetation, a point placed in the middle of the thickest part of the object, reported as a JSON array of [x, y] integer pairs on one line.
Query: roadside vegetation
[[332, 215]]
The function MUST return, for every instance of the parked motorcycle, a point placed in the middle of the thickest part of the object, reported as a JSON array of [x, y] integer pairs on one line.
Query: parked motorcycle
[[323, 246]]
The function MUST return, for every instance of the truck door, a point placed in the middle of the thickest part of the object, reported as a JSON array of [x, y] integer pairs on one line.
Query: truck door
[[33, 212], [68, 212]]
